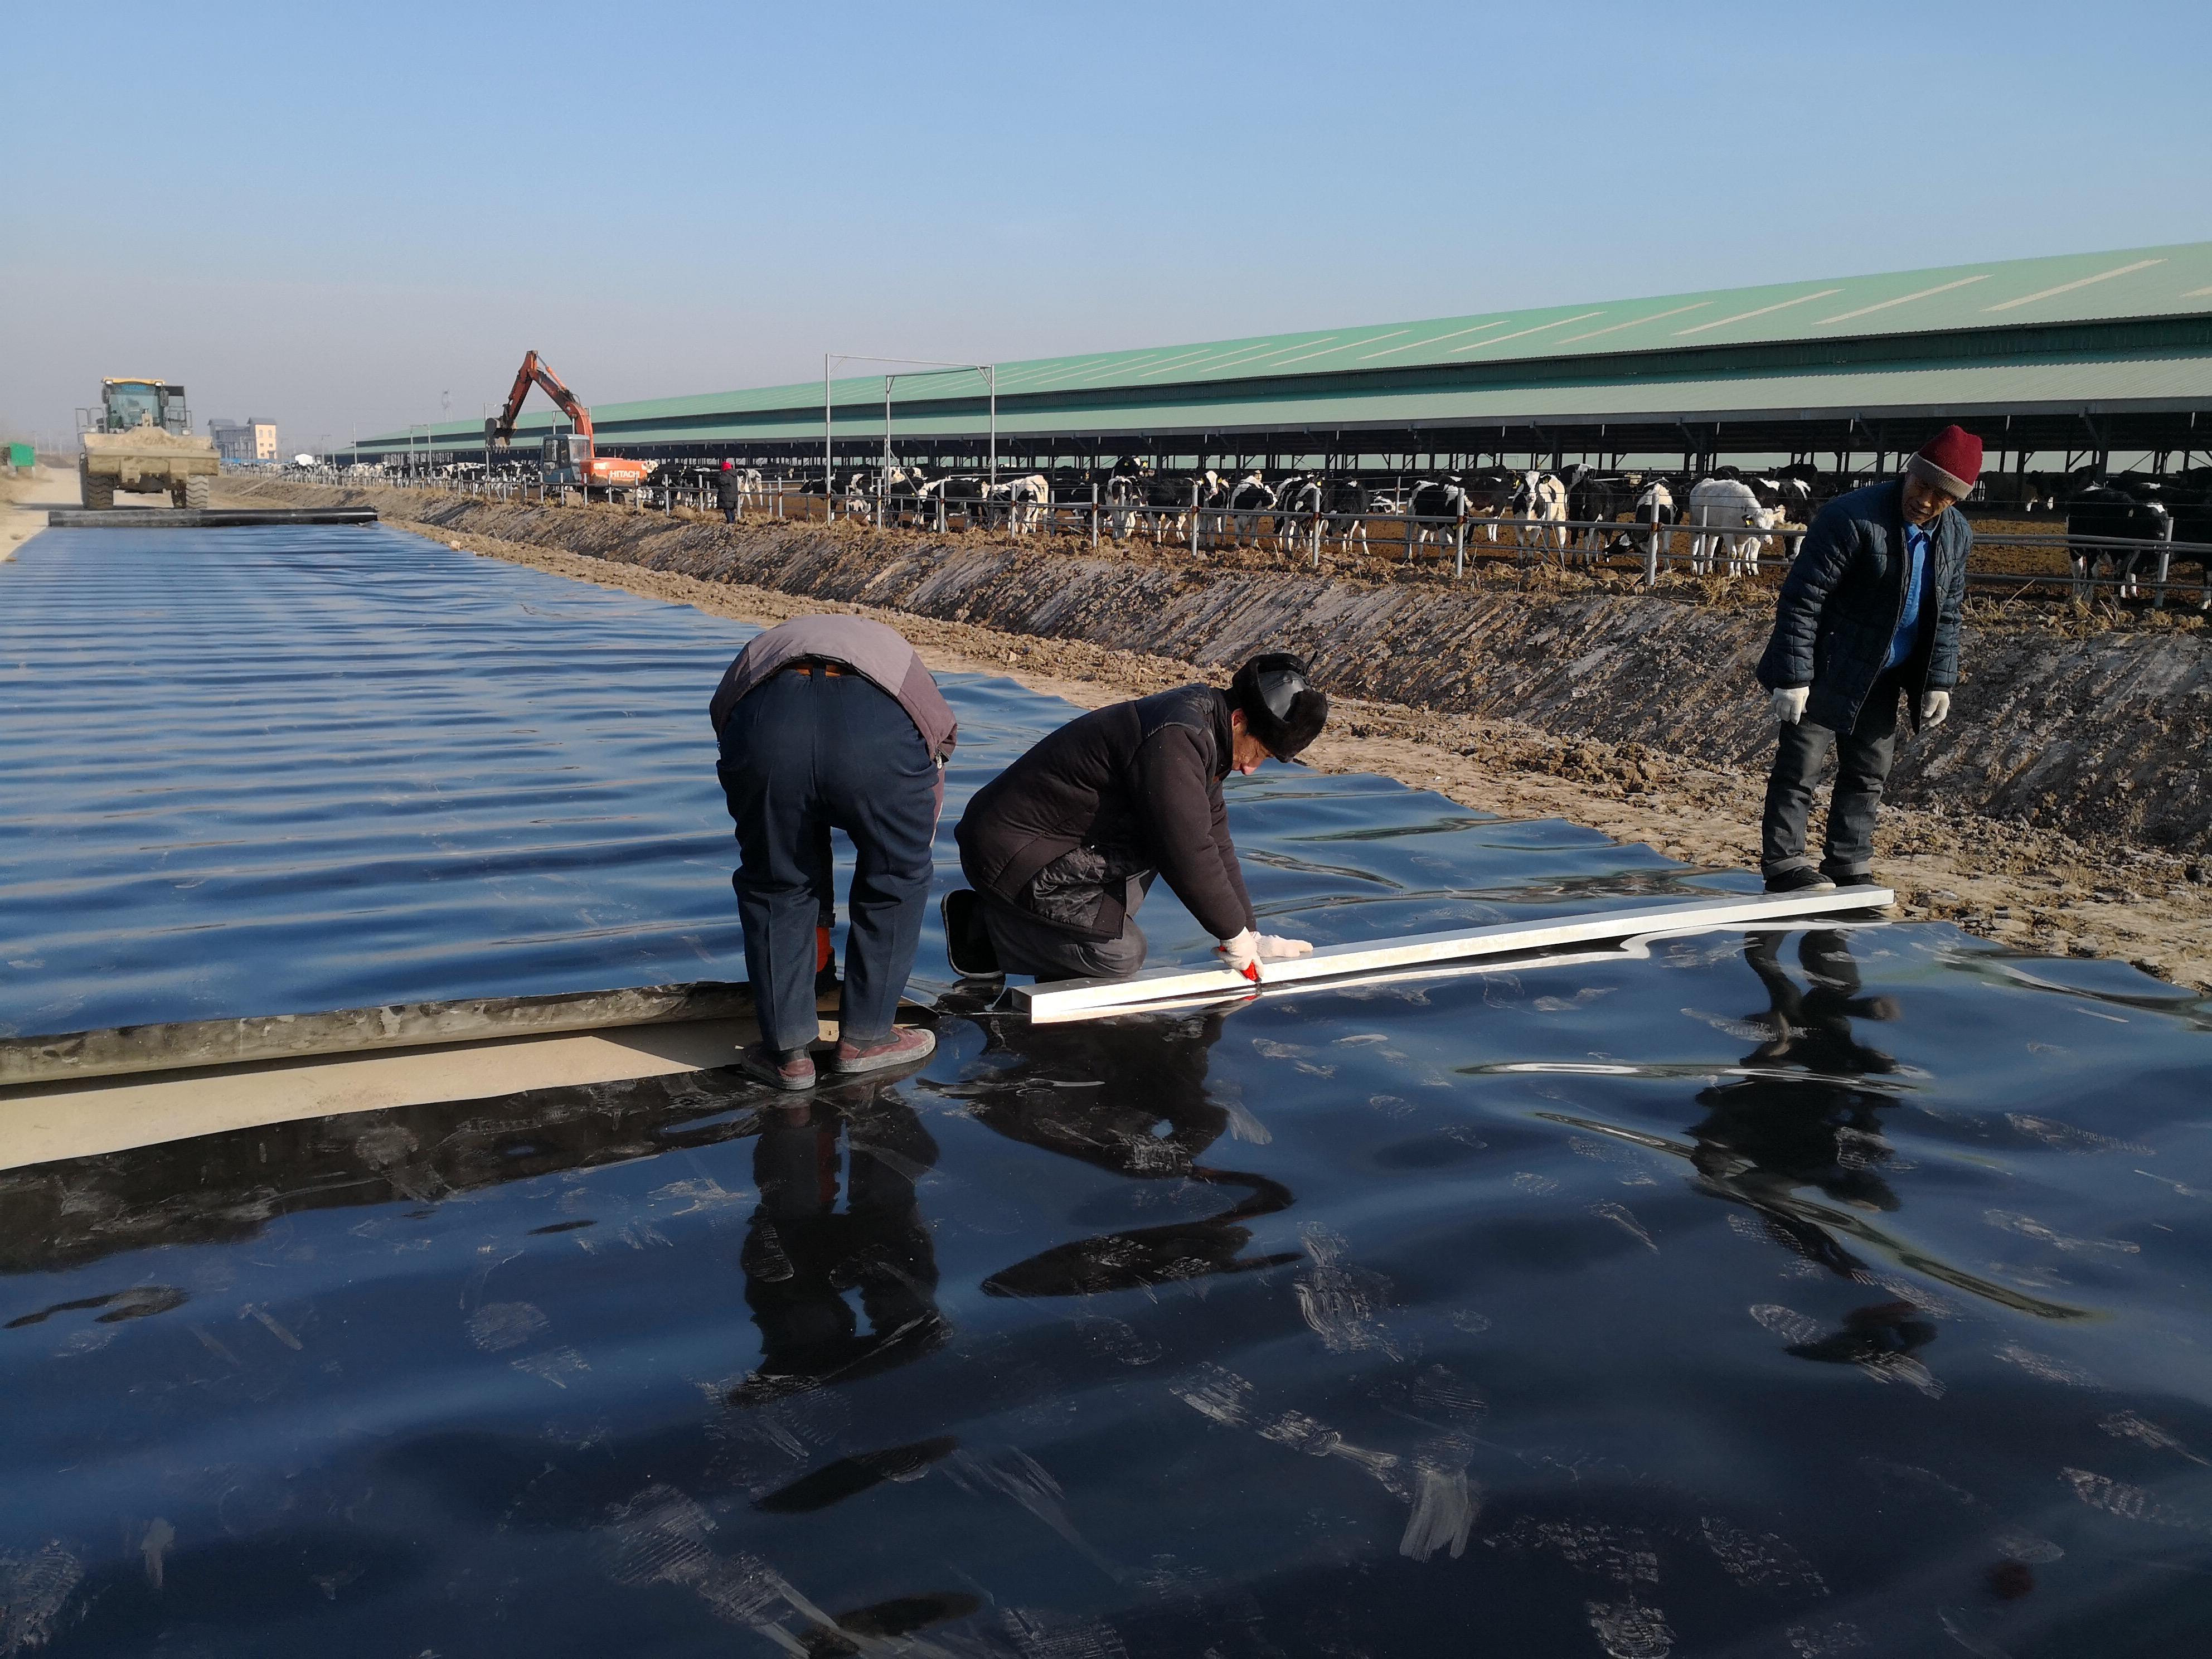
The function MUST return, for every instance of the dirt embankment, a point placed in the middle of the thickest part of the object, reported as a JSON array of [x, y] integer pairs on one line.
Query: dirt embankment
[[2065, 806]]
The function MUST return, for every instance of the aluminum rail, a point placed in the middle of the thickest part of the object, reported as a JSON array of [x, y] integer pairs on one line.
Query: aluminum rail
[[1065, 1000]]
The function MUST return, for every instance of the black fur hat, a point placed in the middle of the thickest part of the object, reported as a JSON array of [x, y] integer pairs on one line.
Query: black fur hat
[[1281, 708]]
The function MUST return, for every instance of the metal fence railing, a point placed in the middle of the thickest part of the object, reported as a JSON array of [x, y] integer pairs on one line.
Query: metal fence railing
[[2079, 566]]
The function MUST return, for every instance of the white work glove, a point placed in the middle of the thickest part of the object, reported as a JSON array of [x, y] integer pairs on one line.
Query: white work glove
[[1934, 708], [1788, 702], [1248, 949]]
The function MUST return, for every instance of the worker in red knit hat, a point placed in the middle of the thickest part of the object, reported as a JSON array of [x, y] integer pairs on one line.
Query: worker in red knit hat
[[1867, 617]]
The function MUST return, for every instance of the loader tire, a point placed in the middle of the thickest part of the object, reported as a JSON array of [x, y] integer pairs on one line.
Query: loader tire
[[97, 489], [197, 492]]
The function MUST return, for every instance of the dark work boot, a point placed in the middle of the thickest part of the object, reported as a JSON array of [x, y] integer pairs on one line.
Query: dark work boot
[[1802, 880], [792, 1069]]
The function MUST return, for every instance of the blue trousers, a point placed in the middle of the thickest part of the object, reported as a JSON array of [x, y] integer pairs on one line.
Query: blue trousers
[[804, 753]]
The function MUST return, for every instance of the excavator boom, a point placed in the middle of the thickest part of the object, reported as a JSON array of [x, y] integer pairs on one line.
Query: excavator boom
[[591, 468], [534, 372]]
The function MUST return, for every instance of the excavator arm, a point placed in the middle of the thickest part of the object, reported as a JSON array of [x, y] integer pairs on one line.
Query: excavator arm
[[498, 432]]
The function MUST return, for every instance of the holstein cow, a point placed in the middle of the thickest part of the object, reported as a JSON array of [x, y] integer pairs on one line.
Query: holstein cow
[[1249, 499], [1597, 499], [1349, 505], [2191, 504], [1727, 516], [1544, 498], [2111, 510], [964, 495], [1170, 498], [1025, 499], [1492, 494], [1433, 500], [1124, 494], [1298, 503]]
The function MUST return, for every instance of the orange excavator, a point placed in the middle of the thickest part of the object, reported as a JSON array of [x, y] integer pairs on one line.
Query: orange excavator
[[569, 458]]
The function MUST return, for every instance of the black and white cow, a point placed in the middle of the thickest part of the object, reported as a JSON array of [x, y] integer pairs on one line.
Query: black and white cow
[[1597, 499], [2113, 510], [1543, 498], [1436, 507], [1348, 504], [1020, 503], [2191, 502], [1251, 498], [1124, 494], [1299, 500], [1729, 520], [1492, 493]]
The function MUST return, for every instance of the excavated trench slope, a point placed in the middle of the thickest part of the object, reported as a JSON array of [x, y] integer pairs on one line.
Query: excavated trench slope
[[2104, 737]]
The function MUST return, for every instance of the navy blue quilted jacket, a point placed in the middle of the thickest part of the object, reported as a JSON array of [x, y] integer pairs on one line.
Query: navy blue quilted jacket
[[1845, 592]]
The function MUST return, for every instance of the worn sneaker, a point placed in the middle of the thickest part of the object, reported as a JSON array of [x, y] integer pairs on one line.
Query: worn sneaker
[[1804, 879], [905, 1045], [794, 1071]]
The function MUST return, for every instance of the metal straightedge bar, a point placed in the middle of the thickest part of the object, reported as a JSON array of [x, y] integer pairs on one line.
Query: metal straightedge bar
[[1066, 1000]]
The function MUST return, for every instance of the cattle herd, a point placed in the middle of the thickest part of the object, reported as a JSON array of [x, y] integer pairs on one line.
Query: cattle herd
[[1719, 522], [1579, 515]]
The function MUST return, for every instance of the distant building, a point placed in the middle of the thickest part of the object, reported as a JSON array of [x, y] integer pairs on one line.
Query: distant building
[[244, 440]]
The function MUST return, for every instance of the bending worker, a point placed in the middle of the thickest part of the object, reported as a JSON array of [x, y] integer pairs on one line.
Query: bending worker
[[1064, 844], [1871, 611], [831, 722]]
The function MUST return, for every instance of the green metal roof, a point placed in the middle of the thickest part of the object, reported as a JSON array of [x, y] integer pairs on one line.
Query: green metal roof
[[1557, 363]]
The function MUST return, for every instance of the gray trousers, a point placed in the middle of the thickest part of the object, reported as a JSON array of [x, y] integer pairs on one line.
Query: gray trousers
[[1026, 945], [1863, 756]]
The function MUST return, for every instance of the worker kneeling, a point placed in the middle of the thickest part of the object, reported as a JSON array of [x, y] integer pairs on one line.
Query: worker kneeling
[[1064, 844], [831, 722]]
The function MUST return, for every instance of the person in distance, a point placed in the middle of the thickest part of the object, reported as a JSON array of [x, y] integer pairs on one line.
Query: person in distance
[[1064, 844], [729, 491], [1869, 612]]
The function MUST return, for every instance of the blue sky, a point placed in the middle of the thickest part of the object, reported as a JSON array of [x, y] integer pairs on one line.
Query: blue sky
[[339, 218]]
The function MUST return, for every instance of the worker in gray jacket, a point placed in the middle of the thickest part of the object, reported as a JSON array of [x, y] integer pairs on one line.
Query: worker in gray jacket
[[831, 722], [1868, 616]]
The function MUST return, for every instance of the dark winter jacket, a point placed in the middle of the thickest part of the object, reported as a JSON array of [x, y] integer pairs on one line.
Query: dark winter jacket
[[730, 489], [1122, 792], [1841, 605]]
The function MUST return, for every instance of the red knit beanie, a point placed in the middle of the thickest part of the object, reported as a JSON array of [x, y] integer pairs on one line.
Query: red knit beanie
[[1950, 461]]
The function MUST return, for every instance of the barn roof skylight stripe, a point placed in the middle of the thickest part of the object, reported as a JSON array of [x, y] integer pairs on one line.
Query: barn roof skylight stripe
[[1902, 299], [1500, 339], [1236, 359], [1743, 316], [2068, 287], [1615, 328], [1121, 365], [1437, 339], [1036, 375], [1330, 351]]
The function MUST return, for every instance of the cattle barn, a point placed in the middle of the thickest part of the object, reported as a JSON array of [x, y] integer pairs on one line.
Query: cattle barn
[[2058, 362]]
